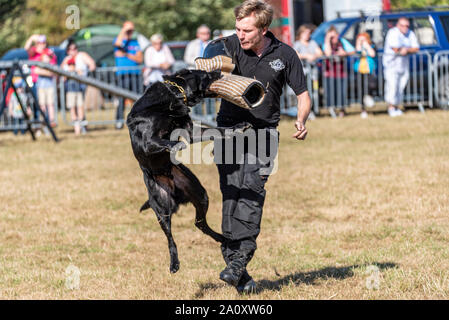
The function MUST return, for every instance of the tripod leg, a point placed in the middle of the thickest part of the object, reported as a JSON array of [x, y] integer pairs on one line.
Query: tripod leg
[[47, 123], [27, 118]]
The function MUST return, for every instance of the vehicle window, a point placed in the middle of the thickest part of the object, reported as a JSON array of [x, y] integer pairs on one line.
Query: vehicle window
[[374, 27], [178, 52], [445, 23], [424, 31], [320, 32], [351, 33]]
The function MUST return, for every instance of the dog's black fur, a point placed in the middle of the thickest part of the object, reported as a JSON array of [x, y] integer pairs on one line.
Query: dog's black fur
[[162, 109]]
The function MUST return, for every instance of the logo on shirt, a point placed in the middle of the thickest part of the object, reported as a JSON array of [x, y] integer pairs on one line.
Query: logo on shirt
[[277, 65]]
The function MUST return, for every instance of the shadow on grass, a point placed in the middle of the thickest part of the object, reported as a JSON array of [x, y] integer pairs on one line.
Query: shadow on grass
[[309, 278]]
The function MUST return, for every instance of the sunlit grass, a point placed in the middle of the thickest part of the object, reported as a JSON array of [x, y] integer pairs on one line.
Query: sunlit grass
[[356, 193]]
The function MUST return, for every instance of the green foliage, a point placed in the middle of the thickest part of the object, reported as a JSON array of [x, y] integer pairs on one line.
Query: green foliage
[[175, 19], [10, 11], [400, 4]]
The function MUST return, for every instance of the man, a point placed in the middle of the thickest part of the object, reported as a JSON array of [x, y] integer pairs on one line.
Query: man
[[195, 48], [128, 56], [399, 43], [257, 54]]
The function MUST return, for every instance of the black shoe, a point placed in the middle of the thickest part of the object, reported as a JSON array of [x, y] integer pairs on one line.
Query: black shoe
[[246, 284], [233, 272]]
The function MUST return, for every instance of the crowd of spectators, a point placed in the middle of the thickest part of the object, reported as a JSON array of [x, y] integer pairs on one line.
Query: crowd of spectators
[[158, 60], [400, 41]]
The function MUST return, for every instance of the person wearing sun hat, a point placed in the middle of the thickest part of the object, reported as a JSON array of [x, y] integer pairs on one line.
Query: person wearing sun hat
[[37, 49]]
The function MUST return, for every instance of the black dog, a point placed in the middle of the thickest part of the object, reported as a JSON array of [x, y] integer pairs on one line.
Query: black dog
[[163, 108]]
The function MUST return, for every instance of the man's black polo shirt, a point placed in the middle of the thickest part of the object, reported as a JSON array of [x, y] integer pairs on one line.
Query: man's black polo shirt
[[279, 64]]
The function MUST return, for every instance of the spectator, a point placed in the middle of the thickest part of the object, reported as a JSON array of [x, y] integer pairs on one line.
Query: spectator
[[158, 59], [81, 63], [365, 65], [42, 78], [128, 56], [307, 49], [196, 47], [336, 49], [15, 110], [399, 42], [218, 33]]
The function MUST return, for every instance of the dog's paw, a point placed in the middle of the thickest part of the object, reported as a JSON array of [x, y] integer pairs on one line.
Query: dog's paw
[[240, 128], [174, 266]]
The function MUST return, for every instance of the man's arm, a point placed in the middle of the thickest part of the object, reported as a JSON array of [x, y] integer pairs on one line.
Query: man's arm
[[138, 57], [403, 51], [304, 107]]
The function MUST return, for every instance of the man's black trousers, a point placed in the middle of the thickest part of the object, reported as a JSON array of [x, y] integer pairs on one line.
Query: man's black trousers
[[242, 184]]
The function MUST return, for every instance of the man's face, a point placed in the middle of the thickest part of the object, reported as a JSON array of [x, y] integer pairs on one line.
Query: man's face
[[403, 25], [203, 34], [249, 35], [156, 44]]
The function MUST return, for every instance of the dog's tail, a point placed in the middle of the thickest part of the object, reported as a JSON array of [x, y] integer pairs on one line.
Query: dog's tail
[[145, 206]]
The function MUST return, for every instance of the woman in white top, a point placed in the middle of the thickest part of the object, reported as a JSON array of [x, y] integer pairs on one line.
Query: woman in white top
[[158, 60], [307, 49]]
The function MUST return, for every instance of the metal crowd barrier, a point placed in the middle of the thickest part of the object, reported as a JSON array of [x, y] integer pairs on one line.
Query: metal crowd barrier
[[334, 83], [346, 87], [100, 106], [13, 120]]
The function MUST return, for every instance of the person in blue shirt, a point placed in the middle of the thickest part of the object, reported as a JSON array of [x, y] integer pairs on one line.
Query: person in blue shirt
[[128, 56]]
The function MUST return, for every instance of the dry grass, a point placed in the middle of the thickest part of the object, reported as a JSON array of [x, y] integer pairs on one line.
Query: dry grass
[[356, 193]]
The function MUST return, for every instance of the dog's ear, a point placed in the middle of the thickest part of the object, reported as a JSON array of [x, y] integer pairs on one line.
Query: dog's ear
[[155, 96]]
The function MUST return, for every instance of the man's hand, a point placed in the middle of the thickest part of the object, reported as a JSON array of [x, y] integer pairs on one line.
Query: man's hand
[[301, 132], [304, 105], [403, 51]]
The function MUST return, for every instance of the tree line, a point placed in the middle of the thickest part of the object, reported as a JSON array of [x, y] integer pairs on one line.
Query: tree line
[[175, 19]]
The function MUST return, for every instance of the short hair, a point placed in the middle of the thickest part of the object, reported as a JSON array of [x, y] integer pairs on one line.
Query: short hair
[[157, 37], [262, 11], [203, 26], [304, 27], [403, 18]]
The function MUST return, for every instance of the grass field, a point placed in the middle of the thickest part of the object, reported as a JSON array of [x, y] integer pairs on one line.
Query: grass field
[[356, 194]]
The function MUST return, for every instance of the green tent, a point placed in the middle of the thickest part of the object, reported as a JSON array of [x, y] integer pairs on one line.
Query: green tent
[[97, 41]]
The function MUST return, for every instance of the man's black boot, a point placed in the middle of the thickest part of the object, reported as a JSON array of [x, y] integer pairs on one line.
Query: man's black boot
[[246, 284], [233, 272]]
